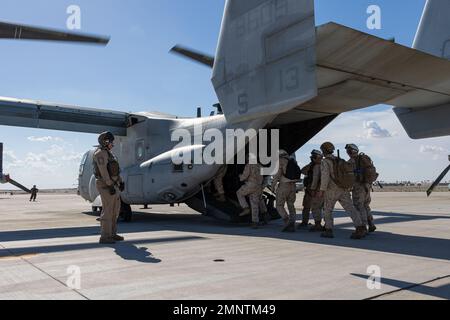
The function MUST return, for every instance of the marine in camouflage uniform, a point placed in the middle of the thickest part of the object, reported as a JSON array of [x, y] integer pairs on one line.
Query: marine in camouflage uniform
[[361, 190], [309, 171], [286, 193], [333, 193], [307, 198], [253, 189], [218, 183], [109, 184], [317, 201]]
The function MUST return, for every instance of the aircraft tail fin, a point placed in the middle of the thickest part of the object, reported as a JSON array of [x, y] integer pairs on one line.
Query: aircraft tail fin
[[266, 60], [433, 34]]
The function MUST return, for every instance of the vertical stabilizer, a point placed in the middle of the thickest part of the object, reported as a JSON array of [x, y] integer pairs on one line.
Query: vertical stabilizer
[[433, 35], [266, 59]]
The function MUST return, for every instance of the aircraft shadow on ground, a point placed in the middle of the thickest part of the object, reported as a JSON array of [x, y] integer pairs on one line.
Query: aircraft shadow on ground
[[441, 292], [435, 248]]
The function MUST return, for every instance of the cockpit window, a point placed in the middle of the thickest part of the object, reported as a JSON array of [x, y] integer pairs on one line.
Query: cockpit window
[[140, 150], [83, 163]]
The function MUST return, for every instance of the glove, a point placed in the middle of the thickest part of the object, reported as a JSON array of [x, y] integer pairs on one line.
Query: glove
[[122, 186], [112, 190]]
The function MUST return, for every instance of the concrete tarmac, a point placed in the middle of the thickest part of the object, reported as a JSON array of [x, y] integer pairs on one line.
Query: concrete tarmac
[[175, 253]]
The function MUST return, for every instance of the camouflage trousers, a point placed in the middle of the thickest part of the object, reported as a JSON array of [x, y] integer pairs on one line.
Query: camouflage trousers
[[286, 193], [218, 180], [254, 193], [342, 196], [312, 204], [361, 200], [110, 211]]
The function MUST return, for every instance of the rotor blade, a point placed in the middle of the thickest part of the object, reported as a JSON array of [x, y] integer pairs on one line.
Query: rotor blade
[[23, 32], [194, 55], [438, 181]]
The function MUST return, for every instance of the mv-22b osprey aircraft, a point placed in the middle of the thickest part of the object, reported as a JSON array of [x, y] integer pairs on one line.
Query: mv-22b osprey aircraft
[[273, 69]]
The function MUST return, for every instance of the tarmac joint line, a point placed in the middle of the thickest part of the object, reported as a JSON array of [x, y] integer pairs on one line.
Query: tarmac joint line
[[23, 258]]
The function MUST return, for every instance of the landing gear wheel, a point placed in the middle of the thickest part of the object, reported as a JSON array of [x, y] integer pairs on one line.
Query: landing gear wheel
[[125, 212]]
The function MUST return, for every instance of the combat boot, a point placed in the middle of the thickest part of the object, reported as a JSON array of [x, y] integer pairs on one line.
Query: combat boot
[[317, 227], [304, 224], [290, 227], [305, 220], [365, 230], [328, 233], [358, 234], [118, 238], [107, 241], [245, 212]]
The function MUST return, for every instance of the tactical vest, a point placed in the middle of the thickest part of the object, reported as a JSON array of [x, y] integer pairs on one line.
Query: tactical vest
[[112, 166]]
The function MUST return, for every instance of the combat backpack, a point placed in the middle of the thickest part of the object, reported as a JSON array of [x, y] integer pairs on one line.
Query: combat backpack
[[344, 174], [293, 171], [308, 172], [366, 169]]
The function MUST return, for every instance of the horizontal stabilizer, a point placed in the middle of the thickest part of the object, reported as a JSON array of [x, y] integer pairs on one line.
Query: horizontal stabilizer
[[36, 114], [23, 32], [421, 123]]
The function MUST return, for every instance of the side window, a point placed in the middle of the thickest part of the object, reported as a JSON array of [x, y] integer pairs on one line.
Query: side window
[[140, 150], [83, 163]]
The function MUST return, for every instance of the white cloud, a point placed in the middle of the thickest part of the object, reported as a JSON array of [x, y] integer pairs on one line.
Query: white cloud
[[44, 139], [55, 166], [433, 150], [373, 130]]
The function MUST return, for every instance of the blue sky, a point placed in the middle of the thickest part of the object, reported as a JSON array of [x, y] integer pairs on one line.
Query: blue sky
[[136, 73]]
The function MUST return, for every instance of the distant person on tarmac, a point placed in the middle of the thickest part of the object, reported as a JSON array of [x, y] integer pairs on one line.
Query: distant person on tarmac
[[34, 192]]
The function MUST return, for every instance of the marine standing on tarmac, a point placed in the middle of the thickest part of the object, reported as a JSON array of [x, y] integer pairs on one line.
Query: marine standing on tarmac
[[363, 167], [333, 193], [285, 191], [109, 183], [252, 188], [34, 192], [308, 172]]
